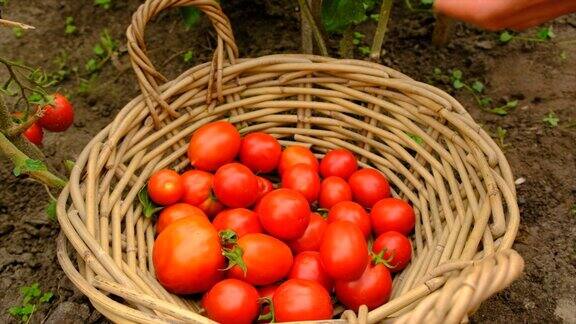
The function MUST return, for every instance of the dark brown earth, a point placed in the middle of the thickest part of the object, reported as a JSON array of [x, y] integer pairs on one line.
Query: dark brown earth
[[542, 76]]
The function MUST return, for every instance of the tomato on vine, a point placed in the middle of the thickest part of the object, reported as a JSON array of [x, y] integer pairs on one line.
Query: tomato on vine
[[58, 116]]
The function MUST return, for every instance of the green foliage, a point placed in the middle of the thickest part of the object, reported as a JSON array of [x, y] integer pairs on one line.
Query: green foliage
[[551, 119], [457, 79], [415, 138], [358, 37], [51, 210], [364, 50], [62, 71], [504, 109], [32, 296], [501, 134], [545, 33], [188, 56], [190, 16], [105, 4], [148, 206], [103, 51], [478, 86], [506, 37], [29, 165], [18, 32], [69, 27], [338, 15]]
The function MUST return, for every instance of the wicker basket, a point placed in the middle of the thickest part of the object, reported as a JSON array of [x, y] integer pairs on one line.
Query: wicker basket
[[457, 178]]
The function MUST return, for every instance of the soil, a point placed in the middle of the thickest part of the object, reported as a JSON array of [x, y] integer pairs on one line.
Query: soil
[[542, 76]]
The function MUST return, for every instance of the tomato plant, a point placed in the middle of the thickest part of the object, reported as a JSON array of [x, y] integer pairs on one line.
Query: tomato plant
[[352, 212], [58, 116], [371, 289], [394, 248], [293, 155], [368, 186], [214, 145], [339, 163], [235, 185], [165, 187], [312, 237], [392, 214], [198, 191], [307, 265], [231, 301], [260, 152], [344, 252], [304, 179], [301, 300], [175, 212], [240, 220], [284, 213], [332, 191], [187, 256]]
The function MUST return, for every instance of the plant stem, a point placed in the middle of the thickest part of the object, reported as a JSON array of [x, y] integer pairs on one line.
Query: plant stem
[[10, 23], [381, 30], [21, 128], [346, 47], [442, 30], [305, 8], [307, 36]]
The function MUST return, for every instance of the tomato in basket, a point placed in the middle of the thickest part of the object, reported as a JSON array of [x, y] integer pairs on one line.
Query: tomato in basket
[[240, 220], [260, 152], [312, 237], [344, 252], [165, 187], [284, 213], [301, 300], [175, 212], [293, 155], [368, 187], [232, 301], [372, 289], [235, 185], [334, 190], [304, 179], [307, 265], [198, 191], [392, 214], [394, 248], [352, 212], [340, 163], [214, 145]]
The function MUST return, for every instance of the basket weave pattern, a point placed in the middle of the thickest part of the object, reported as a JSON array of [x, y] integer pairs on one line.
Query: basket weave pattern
[[456, 177]]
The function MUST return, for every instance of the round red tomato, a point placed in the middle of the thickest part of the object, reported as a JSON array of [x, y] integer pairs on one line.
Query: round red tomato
[[284, 213], [187, 256], [293, 155], [267, 259], [392, 214], [304, 179], [260, 152], [312, 237], [395, 248], [235, 185], [352, 212], [165, 187], [231, 301], [59, 116], [299, 300], [214, 145], [344, 252], [264, 187], [340, 163], [241, 220], [307, 265], [334, 190], [198, 191], [34, 133], [371, 289], [175, 212], [368, 186]]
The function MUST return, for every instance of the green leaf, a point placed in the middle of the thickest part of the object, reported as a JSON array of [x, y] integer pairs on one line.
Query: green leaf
[[188, 56], [501, 111], [457, 84], [512, 104], [190, 16], [358, 35], [415, 138], [106, 4], [98, 50], [545, 33], [437, 71], [46, 297], [427, 2], [92, 66], [478, 86], [563, 55], [456, 74], [70, 29], [506, 37], [29, 165], [364, 50], [338, 15], [36, 98], [109, 44], [51, 210], [369, 4], [148, 206], [375, 17], [18, 32], [486, 101], [551, 119]]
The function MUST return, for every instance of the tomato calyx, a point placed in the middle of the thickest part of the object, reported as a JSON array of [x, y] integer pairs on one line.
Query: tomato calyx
[[323, 212], [269, 317], [378, 258], [228, 237], [231, 250]]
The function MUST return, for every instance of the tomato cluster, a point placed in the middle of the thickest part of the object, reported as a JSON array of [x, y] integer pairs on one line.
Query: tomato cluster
[[270, 234], [56, 117]]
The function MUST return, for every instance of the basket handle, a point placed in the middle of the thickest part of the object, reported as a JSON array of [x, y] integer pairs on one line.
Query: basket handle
[[147, 75]]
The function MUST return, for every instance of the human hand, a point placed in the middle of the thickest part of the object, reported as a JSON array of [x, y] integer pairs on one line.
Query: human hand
[[501, 14]]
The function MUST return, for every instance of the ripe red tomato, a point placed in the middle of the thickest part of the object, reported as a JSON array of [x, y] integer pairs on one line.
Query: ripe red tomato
[[392, 214], [241, 220], [340, 163], [34, 134], [352, 212], [396, 250], [198, 191], [267, 259], [293, 155], [175, 212], [214, 145], [165, 187], [59, 116], [299, 300], [284, 213], [260, 152], [235, 185], [266, 292], [312, 237], [264, 187], [304, 179], [371, 289], [187, 256], [231, 301], [344, 252], [307, 265], [368, 186], [334, 190]]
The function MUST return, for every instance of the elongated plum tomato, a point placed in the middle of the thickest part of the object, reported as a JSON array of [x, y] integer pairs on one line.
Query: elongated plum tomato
[[395, 248], [307, 265], [175, 212], [352, 212], [334, 190], [260, 152], [198, 187], [284, 213], [312, 237], [299, 300], [392, 214], [241, 220], [187, 256], [344, 252], [165, 187], [293, 155], [264, 187], [235, 185], [304, 179], [231, 301], [371, 289], [340, 163], [59, 116], [214, 145], [267, 259], [34, 133], [368, 186]]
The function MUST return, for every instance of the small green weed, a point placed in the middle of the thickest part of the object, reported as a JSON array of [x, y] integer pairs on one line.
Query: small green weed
[[544, 34], [105, 4], [69, 27], [18, 32], [188, 56], [32, 297], [551, 119], [103, 50]]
